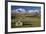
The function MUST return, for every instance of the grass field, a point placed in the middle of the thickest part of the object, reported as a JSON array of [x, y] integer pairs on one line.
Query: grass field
[[28, 21]]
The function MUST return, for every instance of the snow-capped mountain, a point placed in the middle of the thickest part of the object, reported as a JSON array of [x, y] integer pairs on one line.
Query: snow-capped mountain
[[20, 10], [33, 10]]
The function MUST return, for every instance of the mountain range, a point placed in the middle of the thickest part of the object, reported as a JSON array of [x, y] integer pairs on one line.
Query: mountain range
[[22, 11]]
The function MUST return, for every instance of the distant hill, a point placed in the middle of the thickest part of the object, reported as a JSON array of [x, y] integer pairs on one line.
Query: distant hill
[[23, 12]]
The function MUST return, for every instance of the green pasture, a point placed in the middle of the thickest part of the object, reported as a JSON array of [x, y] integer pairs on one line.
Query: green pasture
[[28, 21]]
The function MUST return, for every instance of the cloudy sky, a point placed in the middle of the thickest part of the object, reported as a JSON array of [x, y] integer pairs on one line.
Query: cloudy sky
[[26, 7]]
